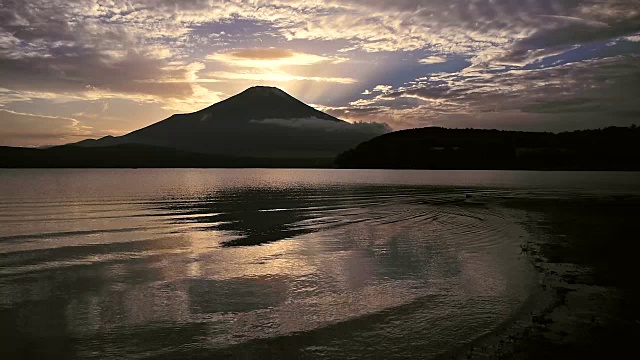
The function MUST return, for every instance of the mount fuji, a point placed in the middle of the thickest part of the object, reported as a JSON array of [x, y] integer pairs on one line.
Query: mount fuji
[[260, 122]]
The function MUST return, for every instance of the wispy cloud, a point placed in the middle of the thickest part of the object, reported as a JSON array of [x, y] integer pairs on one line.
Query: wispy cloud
[[33, 130], [270, 58], [276, 77]]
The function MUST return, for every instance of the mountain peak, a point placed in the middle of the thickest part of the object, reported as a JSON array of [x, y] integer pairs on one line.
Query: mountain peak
[[265, 90], [259, 103]]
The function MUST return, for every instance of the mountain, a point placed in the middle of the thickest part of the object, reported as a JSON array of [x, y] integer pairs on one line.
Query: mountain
[[260, 122], [613, 148]]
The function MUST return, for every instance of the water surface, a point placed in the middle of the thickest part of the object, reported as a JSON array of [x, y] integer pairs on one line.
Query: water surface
[[264, 263]]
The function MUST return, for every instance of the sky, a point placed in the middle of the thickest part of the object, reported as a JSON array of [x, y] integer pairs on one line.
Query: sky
[[72, 69]]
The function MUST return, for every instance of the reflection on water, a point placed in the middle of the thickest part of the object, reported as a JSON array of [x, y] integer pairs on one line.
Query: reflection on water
[[254, 263]]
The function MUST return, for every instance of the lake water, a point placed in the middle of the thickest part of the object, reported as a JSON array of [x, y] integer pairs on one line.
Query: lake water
[[151, 263]]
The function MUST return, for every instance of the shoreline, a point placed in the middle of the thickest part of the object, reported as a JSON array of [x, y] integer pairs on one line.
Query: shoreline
[[586, 301]]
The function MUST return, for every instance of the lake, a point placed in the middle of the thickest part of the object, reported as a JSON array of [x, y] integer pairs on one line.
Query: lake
[[258, 263]]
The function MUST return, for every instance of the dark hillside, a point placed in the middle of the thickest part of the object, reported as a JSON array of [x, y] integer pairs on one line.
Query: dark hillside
[[612, 148]]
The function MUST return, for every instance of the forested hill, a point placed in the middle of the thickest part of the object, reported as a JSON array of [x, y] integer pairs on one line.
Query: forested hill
[[613, 148]]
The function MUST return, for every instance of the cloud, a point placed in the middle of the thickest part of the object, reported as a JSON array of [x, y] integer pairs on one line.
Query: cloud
[[561, 34], [633, 38], [272, 54], [433, 60], [423, 93], [269, 58], [355, 114], [276, 77], [70, 49], [316, 124], [594, 91], [23, 129], [382, 88], [265, 65]]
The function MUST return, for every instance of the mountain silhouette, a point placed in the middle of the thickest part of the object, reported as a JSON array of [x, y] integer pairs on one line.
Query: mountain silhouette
[[260, 122], [612, 148]]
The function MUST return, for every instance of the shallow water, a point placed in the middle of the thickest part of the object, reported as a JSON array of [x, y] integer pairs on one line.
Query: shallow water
[[258, 263]]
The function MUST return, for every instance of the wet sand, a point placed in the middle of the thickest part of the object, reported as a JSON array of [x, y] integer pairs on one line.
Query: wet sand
[[586, 304]]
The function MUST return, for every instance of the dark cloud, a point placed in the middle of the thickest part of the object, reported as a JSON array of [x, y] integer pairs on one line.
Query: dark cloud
[[563, 35], [581, 94], [516, 32], [79, 73], [56, 53], [574, 105], [480, 14]]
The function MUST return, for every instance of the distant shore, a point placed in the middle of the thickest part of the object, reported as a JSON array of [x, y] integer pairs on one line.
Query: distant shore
[[610, 149], [586, 303]]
